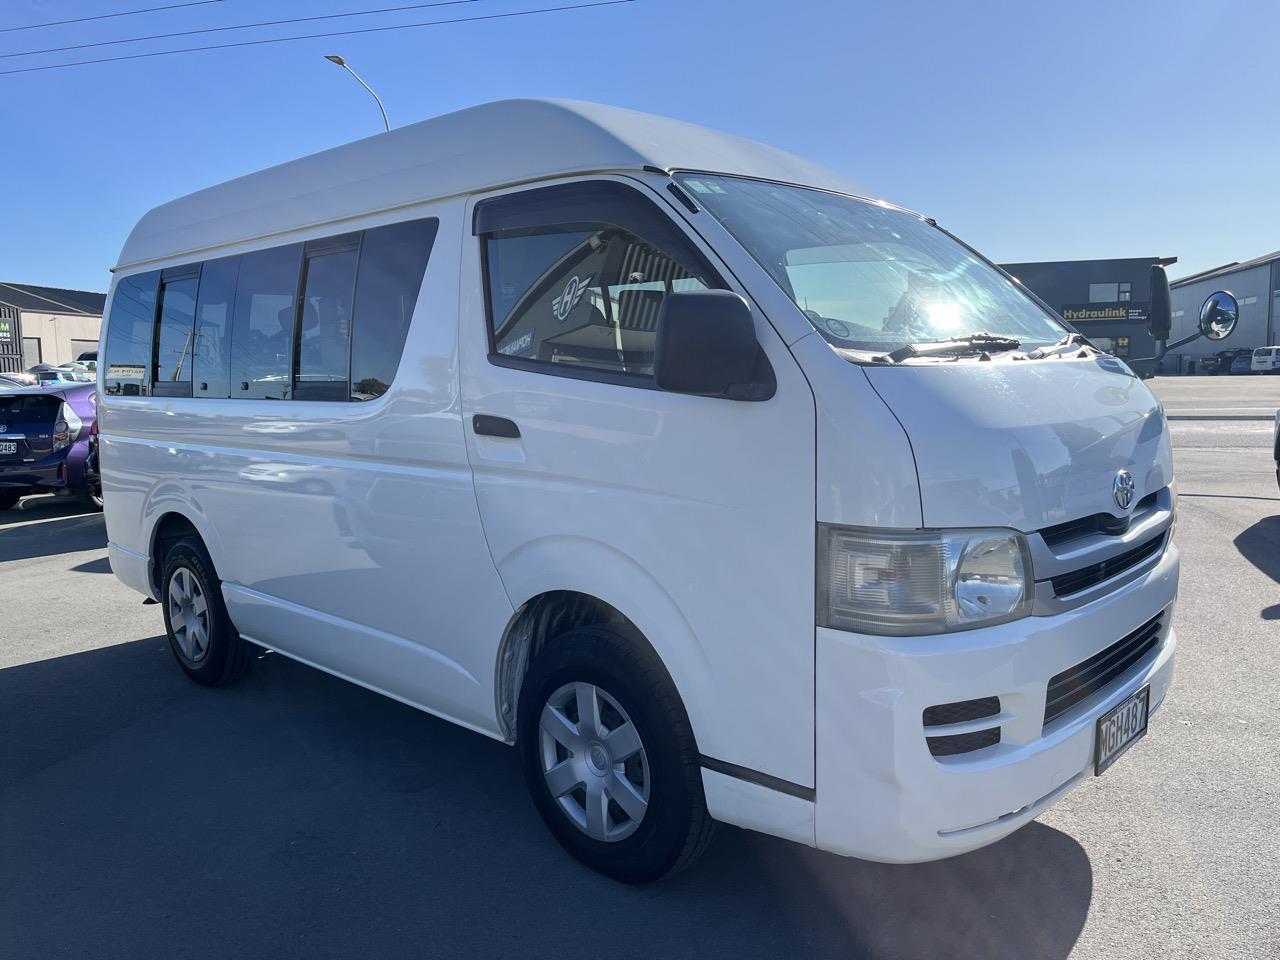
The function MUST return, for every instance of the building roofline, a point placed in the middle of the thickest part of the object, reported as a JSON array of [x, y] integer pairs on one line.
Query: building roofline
[[1163, 261], [62, 307], [1227, 269]]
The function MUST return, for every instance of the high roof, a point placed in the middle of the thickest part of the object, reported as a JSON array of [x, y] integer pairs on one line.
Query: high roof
[[474, 149], [29, 296]]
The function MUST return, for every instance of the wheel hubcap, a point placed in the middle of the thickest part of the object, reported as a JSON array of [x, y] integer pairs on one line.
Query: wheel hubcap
[[594, 762], [188, 615]]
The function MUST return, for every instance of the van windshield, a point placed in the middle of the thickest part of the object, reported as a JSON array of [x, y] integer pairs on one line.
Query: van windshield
[[868, 276]]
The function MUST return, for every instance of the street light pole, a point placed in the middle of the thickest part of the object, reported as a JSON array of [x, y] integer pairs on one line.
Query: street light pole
[[334, 58]]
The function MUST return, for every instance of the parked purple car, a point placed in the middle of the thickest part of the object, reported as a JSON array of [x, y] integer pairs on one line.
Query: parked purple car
[[49, 443]]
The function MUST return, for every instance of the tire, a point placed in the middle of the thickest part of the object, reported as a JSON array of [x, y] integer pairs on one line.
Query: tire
[[201, 635], [628, 685], [9, 500], [90, 498]]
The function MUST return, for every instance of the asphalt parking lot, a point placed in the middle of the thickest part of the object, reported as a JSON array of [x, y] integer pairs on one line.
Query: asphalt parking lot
[[295, 815]]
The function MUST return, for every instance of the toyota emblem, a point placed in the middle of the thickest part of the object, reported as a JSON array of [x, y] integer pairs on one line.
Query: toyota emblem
[[1122, 489]]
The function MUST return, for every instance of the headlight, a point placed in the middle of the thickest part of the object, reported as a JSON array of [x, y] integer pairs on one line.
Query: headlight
[[914, 582]]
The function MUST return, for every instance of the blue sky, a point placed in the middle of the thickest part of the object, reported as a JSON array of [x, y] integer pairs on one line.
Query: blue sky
[[1035, 131]]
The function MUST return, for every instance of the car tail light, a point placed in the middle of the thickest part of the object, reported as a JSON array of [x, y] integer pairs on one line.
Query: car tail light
[[67, 428]]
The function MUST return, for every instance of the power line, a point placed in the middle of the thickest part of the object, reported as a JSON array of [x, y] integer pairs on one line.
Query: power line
[[237, 26], [315, 36], [107, 16]]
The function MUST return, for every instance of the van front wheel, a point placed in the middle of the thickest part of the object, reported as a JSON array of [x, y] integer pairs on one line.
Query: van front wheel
[[609, 756]]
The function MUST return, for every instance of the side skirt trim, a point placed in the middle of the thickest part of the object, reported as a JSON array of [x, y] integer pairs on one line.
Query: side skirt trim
[[758, 778]]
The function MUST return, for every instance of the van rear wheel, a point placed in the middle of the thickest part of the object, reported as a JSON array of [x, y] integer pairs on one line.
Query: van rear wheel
[[201, 635], [609, 756]]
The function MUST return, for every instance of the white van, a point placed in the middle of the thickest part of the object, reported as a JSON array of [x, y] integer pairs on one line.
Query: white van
[[1265, 360], [722, 489]]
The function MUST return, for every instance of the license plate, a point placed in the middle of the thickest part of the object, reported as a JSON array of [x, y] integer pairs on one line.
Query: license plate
[[10, 447], [1120, 728]]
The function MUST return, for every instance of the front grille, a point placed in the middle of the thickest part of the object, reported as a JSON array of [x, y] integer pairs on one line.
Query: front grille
[[961, 711], [1068, 583], [1091, 676], [963, 742], [1104, 523]]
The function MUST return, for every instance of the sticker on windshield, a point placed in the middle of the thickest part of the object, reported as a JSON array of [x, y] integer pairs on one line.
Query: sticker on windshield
[[563, 305]]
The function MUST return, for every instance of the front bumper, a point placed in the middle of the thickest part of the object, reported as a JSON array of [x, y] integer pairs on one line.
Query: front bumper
[[882, 796]]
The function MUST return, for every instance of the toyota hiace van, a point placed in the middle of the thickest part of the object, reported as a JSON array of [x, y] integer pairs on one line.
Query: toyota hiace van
[[720, 487]]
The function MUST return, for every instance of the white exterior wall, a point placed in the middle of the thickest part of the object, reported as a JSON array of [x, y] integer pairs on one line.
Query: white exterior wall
[[1251, 287], [56, 331]]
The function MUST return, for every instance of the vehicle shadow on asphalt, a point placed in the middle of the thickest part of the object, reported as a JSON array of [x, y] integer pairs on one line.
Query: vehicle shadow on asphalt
[[57, 532], [296, 815], [1260, 545], [43, 507]]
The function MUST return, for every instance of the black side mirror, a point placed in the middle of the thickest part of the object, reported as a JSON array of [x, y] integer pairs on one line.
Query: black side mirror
[[706, 345], [1218, 316], [1160, 319]]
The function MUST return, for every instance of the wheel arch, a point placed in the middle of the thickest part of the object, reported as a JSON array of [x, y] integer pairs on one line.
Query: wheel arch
[[170, 526], [557, 585]]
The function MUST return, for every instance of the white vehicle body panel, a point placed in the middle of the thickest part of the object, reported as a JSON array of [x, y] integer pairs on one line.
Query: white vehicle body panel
[[700, 482], [1026, 444], [1265, 360], [340, 529]]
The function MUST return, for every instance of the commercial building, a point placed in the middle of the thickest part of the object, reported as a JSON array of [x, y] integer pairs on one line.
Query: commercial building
[[46, 324], [1256, 286], [1106, 300]]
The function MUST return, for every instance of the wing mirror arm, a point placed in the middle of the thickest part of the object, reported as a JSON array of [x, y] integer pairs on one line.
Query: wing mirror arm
[[1218, 316]]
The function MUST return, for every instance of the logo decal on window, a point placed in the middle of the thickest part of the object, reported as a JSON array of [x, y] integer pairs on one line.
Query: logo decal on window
[[517, 346], [563, 305]]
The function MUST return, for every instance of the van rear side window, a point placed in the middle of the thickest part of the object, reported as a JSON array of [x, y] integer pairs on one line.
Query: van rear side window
[[262, 328], [393, 260], [211, 363], [324, 327], [325, 320], [129, 333], [172, 373]]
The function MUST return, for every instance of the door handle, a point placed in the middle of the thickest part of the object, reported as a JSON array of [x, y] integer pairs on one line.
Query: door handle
[[487, 426]]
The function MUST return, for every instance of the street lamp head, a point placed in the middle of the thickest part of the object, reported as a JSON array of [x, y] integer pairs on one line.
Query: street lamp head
[[334, 58]]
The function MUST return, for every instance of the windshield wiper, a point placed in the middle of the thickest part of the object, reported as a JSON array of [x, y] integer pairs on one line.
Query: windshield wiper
[[974, 343], [1071, 342]]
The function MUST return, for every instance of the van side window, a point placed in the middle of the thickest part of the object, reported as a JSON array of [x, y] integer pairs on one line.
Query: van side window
[[393, 260], [211, 362], [576, 275], [324, 322], [130, 325], [174, 330], [263, 324]]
